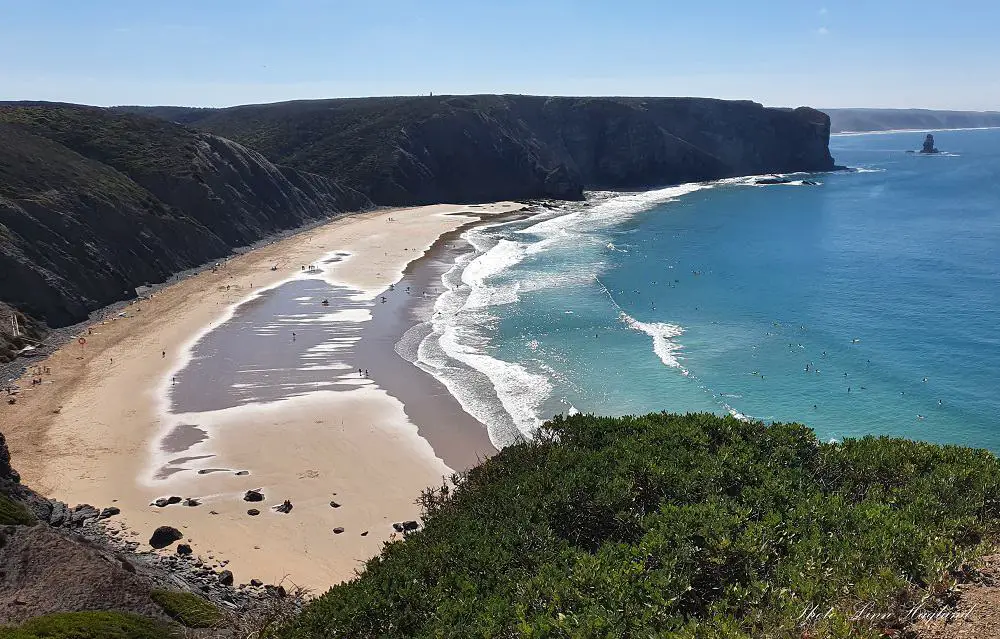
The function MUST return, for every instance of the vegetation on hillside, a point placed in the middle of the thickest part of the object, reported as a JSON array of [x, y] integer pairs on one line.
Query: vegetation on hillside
[[90, 625], [14, 513], [130, 143], [188, 608], [678, 526]]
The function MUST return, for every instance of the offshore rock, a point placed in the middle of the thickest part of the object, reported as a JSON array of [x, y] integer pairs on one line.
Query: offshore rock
[[929, 145]]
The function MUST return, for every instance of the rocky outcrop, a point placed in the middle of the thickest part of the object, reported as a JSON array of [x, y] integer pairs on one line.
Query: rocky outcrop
[[929, 145], [94, 204], [7, 473], [420, 150]]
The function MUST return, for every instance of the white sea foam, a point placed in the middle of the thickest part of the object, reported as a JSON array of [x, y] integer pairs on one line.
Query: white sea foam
[[663, 334], [504, 394]]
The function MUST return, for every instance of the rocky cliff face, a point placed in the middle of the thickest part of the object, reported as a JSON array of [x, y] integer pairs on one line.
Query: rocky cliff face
[[94, 204], [478, 148]]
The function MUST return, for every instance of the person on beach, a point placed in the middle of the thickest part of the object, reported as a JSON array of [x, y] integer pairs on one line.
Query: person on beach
[[366, 373], [359, 373], [163, 354]]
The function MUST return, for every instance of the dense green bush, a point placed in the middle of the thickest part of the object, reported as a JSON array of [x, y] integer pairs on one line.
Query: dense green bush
[[90, 625], [188, 608], [14, 513], [677, 526]]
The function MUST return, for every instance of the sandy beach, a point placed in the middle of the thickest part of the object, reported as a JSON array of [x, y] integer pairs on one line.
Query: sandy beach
[[101, 428]]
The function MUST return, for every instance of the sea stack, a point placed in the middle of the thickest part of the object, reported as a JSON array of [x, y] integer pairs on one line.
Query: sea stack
[[929, 145]]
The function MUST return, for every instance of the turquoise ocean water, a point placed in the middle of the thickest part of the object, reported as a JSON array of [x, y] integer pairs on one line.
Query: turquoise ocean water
[[884, 282]]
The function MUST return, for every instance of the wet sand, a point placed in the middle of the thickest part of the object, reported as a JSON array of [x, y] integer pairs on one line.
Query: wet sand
[[110, 424]]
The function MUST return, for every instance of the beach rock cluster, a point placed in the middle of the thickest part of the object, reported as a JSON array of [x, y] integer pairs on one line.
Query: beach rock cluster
[[83, 558]]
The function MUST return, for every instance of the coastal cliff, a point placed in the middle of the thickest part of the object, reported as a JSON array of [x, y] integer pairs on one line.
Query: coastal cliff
[[95, 203], [421, 150]]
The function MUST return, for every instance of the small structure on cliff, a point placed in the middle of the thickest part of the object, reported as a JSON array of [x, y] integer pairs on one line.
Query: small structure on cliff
[[929, 145]]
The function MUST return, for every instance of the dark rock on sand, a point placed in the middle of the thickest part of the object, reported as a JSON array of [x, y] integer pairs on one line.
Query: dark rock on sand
[[284, 507], [253, 512], [241, 473], [410, 525], [226, 578], [334, 504], [256, 583], [398, 527], [161, 502], [164, 536], [191, 501], [174, 499], [184, 549], [110, 511], [338, 530], [364, 534], [253, 495]]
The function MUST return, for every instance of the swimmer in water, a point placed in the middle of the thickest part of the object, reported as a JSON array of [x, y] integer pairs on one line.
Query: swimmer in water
[[919, 416], [940, 403], [925, 380]]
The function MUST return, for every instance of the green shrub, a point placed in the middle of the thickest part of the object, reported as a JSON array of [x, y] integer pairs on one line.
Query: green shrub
[[15, 513], [676, 526], [90, 625], [188, 608]]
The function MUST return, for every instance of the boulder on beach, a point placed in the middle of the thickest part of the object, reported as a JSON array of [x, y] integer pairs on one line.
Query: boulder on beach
[[338, 530], [164, 536], [284, 507], [226, 578], [253, 512], [110, 511], [410, 526], [253, 495], [184, 549]]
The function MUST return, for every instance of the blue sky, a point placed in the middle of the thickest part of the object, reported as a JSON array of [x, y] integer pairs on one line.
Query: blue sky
[[877, 53]]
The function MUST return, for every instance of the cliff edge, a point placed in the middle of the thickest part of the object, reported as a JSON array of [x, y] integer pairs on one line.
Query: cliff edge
[[422, 150]]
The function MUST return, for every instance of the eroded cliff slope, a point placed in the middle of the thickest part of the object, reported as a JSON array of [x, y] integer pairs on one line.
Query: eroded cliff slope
[[95, 203]]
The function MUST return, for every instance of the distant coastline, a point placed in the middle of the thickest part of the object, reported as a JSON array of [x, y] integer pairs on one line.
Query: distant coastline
[[889, 131]]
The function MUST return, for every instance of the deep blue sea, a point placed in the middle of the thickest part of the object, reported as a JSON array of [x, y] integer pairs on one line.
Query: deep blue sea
[[869, 303]]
